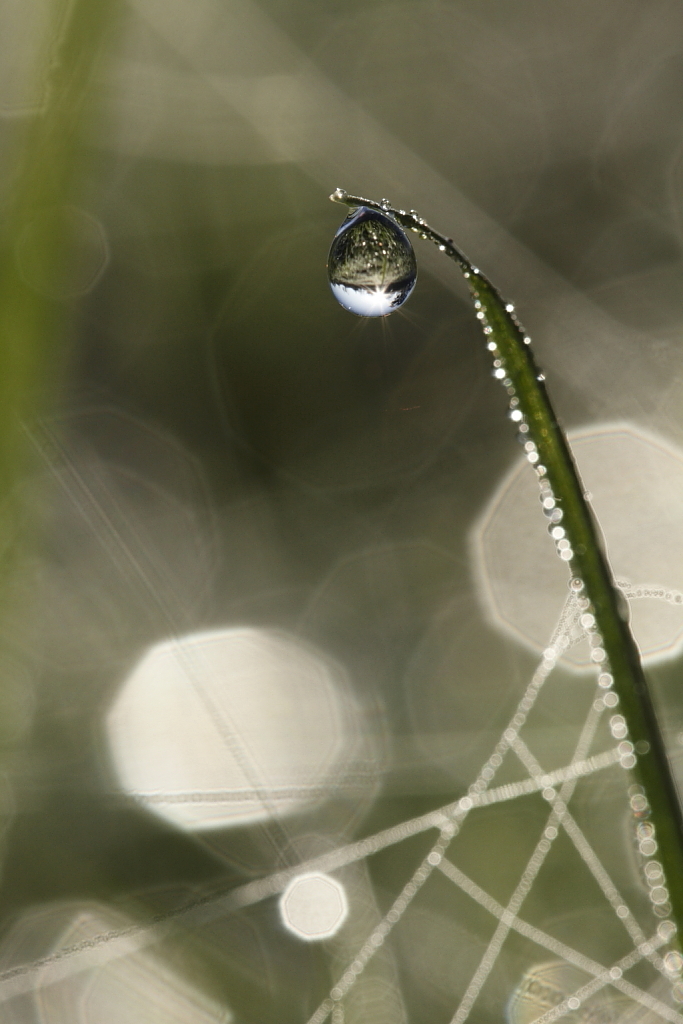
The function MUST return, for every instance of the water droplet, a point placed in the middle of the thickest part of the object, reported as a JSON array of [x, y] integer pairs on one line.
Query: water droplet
[[371, 266], [639, 804], [673, 962], [617, 725], [659, 894], [645, 830]]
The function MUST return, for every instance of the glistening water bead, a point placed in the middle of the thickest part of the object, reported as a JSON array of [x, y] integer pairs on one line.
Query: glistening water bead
[[371, 266]]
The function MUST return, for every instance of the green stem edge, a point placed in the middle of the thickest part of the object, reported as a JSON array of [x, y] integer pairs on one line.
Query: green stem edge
[[589, 562]]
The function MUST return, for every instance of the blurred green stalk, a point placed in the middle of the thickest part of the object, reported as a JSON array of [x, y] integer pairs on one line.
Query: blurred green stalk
[[45, 177], [521, 376]]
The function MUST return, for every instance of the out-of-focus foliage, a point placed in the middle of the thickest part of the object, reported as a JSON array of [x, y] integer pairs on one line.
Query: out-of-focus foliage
[[218, 449]]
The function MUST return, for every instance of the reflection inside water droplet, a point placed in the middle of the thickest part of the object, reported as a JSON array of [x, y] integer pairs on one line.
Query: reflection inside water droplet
[[371, 266]]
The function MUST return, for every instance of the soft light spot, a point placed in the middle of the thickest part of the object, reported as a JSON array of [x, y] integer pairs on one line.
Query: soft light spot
[[231, 727], [636, 480], [313, 907], [85, 980], [548, 985], [79, 269]]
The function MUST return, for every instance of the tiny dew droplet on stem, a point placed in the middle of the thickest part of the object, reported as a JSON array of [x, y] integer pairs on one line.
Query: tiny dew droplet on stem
[[372, 271]]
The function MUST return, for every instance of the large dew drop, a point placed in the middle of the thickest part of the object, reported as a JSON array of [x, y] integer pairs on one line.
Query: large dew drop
[[371, 266]]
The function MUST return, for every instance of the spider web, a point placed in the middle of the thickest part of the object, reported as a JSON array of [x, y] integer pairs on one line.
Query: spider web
[[557, 787]]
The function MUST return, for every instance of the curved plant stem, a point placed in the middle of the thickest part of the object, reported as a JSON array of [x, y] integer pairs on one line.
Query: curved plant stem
[[592, 577]]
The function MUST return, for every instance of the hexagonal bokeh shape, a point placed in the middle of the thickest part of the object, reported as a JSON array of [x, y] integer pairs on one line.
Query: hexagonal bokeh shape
[[313, 906], [92, 963], [547, 985], [635, 481], [232, 727]]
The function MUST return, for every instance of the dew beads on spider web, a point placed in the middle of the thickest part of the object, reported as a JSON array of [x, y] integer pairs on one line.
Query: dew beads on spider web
[[338, 1013], [449, 820], [376, 938], [649, 591], [576, 836], [449, 828]]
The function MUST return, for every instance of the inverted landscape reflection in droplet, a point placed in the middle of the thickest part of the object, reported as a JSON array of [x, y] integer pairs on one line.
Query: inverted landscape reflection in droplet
[[371, 266]]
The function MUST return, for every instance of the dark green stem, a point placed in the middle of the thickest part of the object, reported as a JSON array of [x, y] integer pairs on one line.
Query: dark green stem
[[549, 451]]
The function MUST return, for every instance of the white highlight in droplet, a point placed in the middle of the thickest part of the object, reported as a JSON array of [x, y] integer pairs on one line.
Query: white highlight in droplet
[[365, 302], [313, 906]]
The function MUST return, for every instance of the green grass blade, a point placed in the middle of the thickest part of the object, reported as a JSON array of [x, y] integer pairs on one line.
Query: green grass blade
[[48, 166], [614, 649]]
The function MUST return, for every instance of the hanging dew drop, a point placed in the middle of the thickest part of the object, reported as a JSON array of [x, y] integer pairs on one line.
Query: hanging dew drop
[[371, 266]]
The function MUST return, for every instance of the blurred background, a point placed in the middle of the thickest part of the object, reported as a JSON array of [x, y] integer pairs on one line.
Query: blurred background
[[275, 579]]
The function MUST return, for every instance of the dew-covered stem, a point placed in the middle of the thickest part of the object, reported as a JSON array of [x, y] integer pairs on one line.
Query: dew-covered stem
[[574, 529]]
